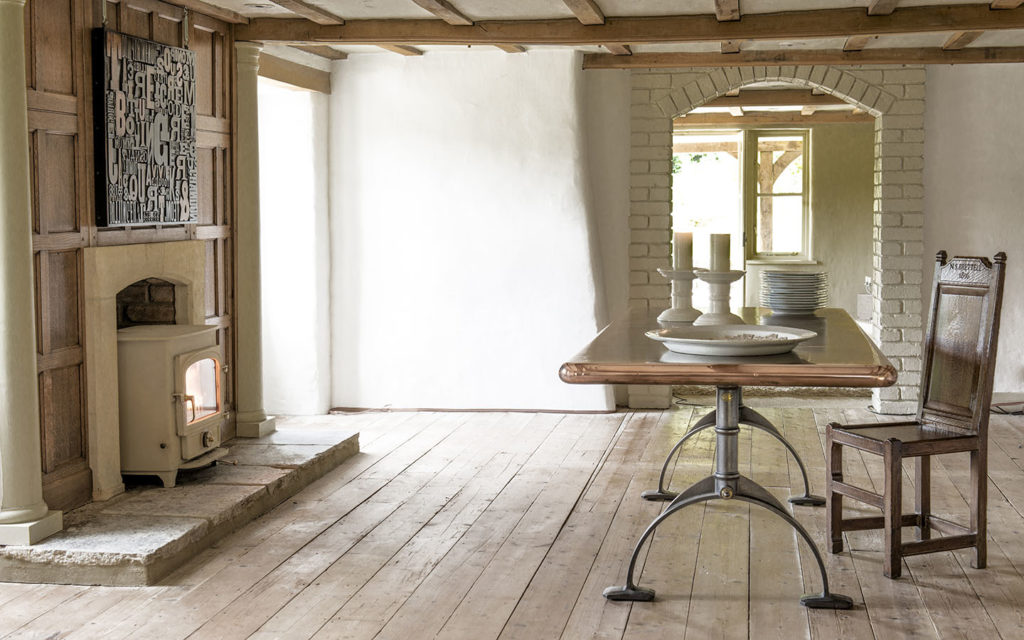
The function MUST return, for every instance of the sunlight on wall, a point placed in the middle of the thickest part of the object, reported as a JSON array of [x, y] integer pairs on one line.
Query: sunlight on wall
[[295, 263]]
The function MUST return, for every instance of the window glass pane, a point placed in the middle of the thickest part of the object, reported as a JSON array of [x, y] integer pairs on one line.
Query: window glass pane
[[780, 224], [780, 166], [201, 390]]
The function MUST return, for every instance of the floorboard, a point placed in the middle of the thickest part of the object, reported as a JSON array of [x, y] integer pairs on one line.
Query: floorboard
[[491, 525]]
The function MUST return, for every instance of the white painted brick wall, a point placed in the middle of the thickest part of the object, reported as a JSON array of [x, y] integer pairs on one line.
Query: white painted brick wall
[[894, 95]]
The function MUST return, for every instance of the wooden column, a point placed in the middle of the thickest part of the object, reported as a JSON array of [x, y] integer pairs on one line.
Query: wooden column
[[252, 420], [24, 516]]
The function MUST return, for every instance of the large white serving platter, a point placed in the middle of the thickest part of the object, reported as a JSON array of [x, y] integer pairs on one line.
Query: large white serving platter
[[730, 339]]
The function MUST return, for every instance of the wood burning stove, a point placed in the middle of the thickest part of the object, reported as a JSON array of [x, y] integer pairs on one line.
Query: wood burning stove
[[170, 400]]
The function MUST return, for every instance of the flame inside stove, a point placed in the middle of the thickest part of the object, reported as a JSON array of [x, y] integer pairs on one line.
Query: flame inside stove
[[201, 384]]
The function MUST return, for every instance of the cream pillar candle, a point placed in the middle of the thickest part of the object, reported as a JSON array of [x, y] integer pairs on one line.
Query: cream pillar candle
[[682, 251], [24, 516], [720, 252], [251, 419]]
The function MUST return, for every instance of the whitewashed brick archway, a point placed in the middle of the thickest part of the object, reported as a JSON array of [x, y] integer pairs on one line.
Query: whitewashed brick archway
[[894, 95]]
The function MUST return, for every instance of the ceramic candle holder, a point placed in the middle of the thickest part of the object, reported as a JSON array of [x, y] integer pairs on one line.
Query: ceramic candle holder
[[682, 296], [719, 282]]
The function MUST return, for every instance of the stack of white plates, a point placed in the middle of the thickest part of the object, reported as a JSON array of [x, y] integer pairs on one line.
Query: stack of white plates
[[794, 292]]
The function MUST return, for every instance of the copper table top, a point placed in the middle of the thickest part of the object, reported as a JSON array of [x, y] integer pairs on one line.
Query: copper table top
[[840, 356]]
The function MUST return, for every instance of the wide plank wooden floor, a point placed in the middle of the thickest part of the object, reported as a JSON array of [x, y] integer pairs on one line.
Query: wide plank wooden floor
[[509, 525]]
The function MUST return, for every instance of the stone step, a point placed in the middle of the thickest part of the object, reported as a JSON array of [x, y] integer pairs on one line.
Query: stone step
[[142, 535]]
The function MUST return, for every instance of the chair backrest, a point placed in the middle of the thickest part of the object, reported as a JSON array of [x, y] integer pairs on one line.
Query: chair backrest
[[960, 342]]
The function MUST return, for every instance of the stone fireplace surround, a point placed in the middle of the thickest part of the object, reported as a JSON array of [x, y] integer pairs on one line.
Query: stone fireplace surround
[[894, 95], [108, 270]]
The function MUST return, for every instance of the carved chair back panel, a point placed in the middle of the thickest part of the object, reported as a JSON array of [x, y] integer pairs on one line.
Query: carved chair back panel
[[959, 350]]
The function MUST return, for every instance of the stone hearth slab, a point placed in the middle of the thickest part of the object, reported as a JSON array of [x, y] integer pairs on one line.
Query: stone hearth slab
[[139, 537]]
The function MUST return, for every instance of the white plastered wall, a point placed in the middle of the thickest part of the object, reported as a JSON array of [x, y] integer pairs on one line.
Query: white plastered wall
[[462, 266], [974, 191], [295, 258]]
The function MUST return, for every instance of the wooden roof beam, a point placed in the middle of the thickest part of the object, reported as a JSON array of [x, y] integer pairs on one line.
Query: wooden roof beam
[[445, 11], [857, 43], [882, 7], [402, 49], [727, 10], [619, 49], [586, 11], [731, 46], [774, 98], [309, 11], [825, 23], [960, 39], [1005, 4], [972, 55], [321, 50]]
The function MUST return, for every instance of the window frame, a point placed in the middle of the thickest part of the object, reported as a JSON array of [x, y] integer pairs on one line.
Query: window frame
[[750, 195]]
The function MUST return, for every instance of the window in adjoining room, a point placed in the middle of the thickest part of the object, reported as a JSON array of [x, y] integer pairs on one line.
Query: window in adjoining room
[[776, 187]]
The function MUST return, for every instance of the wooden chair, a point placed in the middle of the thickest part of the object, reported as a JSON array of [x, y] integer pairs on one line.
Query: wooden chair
[[952, 416]]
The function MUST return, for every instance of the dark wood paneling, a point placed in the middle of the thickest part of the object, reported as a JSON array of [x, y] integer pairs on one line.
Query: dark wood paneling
[[202, 43], [62, 302], [57, 169], [53, 45], [206, 163], [63, 440]]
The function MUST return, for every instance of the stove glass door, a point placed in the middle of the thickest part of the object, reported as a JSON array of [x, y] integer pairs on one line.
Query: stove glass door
[[201, 390]]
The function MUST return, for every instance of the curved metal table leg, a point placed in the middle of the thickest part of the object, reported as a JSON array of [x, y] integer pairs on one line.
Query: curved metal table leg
[[662, 493], [749, 491], [754, 419], [700, 492], [749, 417]]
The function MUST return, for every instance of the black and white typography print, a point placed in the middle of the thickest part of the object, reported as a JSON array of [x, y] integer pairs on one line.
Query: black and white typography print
[[145, 132]]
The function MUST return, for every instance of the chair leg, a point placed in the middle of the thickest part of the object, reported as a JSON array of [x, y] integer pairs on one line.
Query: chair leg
[[979, 506], [892, 563], [923, 495], [833, 500]]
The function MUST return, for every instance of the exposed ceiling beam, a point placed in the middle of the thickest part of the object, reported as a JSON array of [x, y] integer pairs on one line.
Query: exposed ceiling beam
[[826, 23], [882, 7], [295, 74], [763, 118], [727, 10], [586, 11], [856, 43], [402, 49], [205, 8], [961, 39], [619, 49], [312, 12], [445, 11], [731, 46], [973, 55], [1006, 4], [321, 50], [511, 48], [774, 98]]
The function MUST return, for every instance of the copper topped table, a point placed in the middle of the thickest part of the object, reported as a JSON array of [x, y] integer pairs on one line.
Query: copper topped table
[[839, 356]]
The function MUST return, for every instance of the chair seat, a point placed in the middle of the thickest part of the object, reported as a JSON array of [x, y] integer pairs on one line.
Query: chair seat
[[917, 438]]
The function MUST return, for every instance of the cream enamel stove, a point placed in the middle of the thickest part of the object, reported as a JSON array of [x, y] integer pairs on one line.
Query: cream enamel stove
[[169, 382]]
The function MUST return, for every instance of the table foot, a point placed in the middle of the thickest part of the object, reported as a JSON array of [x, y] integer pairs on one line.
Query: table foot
[[631, 594], [656, 495], [807, 501], [827, 601]]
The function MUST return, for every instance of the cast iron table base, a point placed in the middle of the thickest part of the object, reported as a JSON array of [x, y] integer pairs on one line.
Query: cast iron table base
[[727, 484]]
